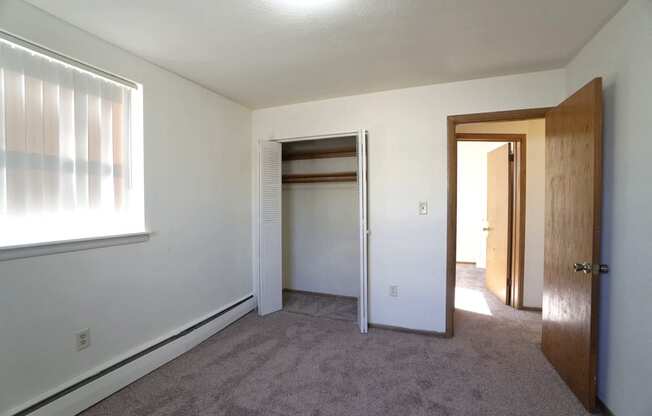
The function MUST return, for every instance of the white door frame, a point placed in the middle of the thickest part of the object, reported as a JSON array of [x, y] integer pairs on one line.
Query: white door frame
[[363, 308]]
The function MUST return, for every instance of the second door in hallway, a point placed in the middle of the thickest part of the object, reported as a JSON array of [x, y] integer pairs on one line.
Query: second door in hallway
[[499, 214]]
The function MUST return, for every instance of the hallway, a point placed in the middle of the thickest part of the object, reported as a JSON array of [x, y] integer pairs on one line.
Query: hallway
[[471, 296]]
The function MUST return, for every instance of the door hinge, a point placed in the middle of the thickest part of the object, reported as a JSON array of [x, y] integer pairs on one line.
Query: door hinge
[[511, 156]]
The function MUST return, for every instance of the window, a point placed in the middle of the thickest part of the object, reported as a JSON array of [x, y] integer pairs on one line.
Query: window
[[70, 152]]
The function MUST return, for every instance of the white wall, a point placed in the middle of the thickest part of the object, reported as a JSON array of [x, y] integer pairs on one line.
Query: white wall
[[472, 201], [622, 54], [535, 181], [535, 220], [321, 251], [407, 164], [198, 203]]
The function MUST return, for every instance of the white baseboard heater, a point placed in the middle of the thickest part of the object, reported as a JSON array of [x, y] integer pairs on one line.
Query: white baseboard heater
[[124, 362]]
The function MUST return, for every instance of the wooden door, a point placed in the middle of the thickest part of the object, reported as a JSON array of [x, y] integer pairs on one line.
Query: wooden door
[[572, 235], [498, 222]]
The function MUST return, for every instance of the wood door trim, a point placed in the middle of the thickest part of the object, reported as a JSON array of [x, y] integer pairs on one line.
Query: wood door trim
[[518, 261], [451, 226], [510, 115], [489, 137], [512, 217]]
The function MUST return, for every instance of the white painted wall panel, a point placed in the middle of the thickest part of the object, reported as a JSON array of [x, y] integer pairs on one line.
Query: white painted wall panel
[[321, 238]]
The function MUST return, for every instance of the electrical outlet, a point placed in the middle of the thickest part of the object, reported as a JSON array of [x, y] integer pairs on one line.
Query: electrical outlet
[[393, 291], [423, 207], [83, 339]]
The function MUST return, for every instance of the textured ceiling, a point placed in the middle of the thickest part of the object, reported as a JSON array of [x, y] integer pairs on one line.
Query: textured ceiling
[[263, 53]]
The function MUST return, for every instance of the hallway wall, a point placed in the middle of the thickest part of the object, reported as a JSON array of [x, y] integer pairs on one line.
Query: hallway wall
[[472, 201]]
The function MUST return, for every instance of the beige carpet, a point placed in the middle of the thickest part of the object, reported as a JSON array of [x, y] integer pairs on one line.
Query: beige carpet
[[296, 364], [324, 306]]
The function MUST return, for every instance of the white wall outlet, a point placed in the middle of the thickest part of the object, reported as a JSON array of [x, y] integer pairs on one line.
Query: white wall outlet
[[423, 207], [393, 291], [83, 339]]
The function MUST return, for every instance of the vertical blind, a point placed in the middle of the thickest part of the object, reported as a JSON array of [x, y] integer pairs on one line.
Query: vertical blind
[[64, 141]]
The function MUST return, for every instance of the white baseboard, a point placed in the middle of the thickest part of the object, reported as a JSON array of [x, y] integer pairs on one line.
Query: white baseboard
[[93, 392]]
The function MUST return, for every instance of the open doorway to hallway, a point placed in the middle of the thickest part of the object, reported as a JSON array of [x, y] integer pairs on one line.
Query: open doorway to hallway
[[500, 219], [571, 231]]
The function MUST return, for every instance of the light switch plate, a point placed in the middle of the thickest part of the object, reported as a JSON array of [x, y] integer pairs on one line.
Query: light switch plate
[[393, 291], [423, 207]]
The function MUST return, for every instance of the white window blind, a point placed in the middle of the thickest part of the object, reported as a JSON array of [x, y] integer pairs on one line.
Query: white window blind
[[65, 151]]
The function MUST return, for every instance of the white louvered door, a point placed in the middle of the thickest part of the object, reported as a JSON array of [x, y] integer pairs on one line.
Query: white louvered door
[[364, 230], [270, 232]]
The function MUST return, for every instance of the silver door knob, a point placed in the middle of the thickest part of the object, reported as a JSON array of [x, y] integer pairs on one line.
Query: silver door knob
[[585, 267], [588, 268]]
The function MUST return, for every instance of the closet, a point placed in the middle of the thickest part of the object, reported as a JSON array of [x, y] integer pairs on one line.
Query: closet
[[321, 227]]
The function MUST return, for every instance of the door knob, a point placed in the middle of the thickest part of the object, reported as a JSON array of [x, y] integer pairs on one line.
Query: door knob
[[486, 228], [585, 267], [588, 268]]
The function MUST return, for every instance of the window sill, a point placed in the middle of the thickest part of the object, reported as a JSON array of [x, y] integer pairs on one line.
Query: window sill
[[64, 246]]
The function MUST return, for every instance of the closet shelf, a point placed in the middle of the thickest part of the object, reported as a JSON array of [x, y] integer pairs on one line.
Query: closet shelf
[[321, 177], [322, 154]]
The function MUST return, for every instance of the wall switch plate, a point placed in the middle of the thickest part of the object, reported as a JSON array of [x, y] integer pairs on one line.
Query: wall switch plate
[[83, 339], [423, 207], [393, 291]]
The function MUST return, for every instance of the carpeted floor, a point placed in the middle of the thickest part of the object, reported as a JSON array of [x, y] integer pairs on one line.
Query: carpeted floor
[[325, 306], [296, 364]]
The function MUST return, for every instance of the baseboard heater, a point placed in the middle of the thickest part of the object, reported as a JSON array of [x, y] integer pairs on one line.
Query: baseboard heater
[[110, 369]]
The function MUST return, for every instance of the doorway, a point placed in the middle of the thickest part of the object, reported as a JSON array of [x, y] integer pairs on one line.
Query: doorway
[[312, 235], [573, 196], [490, 168], [320, 228], [480, 128]]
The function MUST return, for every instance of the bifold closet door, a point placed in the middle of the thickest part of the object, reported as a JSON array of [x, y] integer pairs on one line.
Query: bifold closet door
[[364, 229], [270, 248]]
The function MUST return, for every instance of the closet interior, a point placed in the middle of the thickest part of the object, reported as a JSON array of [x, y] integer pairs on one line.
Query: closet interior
[[321, 245]]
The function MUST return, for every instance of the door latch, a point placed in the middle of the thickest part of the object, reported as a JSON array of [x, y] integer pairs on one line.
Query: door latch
[[588, 268]]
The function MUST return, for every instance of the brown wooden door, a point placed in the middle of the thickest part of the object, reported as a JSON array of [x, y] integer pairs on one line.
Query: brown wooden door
[[498, 221], [572, 235]]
